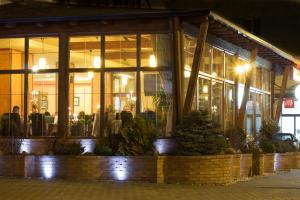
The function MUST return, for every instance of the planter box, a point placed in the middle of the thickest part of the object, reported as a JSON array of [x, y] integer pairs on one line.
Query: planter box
[[284, 162], [258, 164], [198, 169], [269, 163], [12, 165], [297, 160], [235, 167], [246, 165]]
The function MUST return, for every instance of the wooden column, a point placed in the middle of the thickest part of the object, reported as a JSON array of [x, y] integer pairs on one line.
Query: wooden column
[[272, 91], [249, 76], [195, 67], [285, 77], [176, 58], [63, 86]]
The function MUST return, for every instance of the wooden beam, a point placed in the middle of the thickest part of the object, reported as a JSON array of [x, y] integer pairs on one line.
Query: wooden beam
[[272, 91], [177, 54], [285, 77], [195, 67], [249, 76], [63, 86], [76, 46]]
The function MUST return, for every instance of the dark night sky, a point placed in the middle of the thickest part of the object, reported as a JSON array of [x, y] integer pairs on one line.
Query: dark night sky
[[277, 21]]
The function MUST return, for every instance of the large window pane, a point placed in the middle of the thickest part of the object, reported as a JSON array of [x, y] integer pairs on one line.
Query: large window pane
[[85, 52], [120, 99], [43, 53], [42, 104], [206, 60], [216, 105], [204, 94], [84, 102], [156, 98], [229, 108], [155, 50], [12, 105], [120, 51], [230, 66], [11, 53], [218, 63]]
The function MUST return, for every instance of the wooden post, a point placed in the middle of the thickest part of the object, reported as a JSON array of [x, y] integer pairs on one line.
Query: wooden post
[[63, 86], [272, 91], [249, 76], [285, 77], [176, 56], [195, 66]]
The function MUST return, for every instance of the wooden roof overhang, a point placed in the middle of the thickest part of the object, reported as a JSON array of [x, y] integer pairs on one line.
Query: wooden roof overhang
[[36, 18]]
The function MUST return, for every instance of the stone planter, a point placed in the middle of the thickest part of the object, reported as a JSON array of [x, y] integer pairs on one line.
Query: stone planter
[[236, 167], [198, 169], [284, 162], [12, 165], [269, 163], [121, 168], [246, 165]]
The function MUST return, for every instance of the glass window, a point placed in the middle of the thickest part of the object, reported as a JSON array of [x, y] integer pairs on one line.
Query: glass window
[[43, 53], [257, 78], [120, 99], [42, 104], [230, 66], [156, 98], [241, 65], [258, 111], [85, 52], [189, 50], [11, 53], [266, 80], [120, 51], [267, 107], [250, 124], [206, 60], [229, 107], [218, 63], [204, 94], [155, 50], [12, 105], [216, 105], [84, 102]]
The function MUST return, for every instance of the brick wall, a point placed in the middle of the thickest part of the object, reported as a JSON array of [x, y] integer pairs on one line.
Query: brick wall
[[246, 165], [12, 166], [269, 163], [284, 161], [236, 167], [198, 169]]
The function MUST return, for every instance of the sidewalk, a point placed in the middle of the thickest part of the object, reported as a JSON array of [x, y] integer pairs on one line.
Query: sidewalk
[[277, 187]]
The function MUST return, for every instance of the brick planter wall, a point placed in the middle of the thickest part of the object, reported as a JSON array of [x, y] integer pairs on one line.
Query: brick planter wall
[[236, 167], [92, 167], [246, 165], [258, 164], [11, 165], [269, 163], [297, 160], [198, 169], [284, 161]]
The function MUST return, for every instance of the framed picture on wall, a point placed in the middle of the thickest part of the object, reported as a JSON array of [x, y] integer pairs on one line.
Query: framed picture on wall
[[76, 101]]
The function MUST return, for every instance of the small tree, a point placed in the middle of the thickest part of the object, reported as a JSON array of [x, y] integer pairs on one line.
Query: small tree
[[197, 135], [138, 138]]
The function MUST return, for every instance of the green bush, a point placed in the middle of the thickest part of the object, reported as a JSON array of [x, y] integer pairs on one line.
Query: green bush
[[197, 135], [103, 148], [67, 148], [138, 138], [237, 138], [267, 130]]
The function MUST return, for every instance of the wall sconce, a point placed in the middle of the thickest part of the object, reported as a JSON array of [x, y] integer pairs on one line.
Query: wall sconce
[[152, 61], [97, 61]]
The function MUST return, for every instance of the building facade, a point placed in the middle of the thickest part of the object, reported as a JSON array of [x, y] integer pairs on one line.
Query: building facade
[[82, 72]]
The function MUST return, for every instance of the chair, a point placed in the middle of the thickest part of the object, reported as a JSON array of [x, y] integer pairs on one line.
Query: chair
[[11, 124], [38, 125]]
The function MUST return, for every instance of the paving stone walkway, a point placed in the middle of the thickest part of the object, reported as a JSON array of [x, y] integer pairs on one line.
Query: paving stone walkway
[[278, 187]]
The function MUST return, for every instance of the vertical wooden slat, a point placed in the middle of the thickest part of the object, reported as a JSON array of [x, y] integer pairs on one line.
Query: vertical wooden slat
[[63, 86], [138, 75], [249, 76], [26, 63], [272, 91], [285, 77], [176, 59], [195, 66], [102, 86]]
